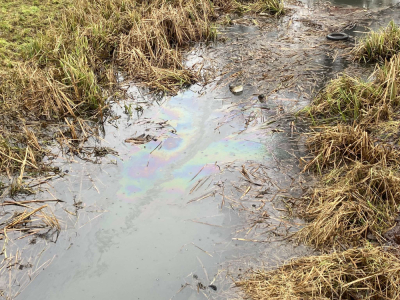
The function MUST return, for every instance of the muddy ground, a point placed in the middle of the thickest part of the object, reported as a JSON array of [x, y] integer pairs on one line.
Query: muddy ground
[[179, 195]]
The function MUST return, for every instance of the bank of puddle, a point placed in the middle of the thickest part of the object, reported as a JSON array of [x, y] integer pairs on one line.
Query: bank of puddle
[[175, 214]]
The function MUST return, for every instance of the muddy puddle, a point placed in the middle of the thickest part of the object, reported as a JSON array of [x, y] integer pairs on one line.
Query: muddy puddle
[[175, 213], [155, 235]]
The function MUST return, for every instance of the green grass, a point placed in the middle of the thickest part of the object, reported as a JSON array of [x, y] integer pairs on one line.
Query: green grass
[[379, 45], [348, 99], [20, 23]]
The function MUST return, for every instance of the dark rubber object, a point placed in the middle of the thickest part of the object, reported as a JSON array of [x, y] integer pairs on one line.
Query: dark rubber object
[[213, 287], [337, 36]]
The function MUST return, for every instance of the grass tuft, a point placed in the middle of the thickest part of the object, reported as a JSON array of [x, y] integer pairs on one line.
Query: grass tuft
[[379, 45], [273, 7], [348, 99], [361, 191]]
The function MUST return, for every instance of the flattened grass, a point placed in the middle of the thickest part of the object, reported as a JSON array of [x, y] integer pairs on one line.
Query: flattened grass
[[368, 273], [342, 145]]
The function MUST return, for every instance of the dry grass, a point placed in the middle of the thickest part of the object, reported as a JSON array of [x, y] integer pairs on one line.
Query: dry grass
[[150, 51], [355, 201], [17, 161], [368, 273], [360, 191], [388, 132], [343, 145], [361, 178], [274, 7], [379, 45]]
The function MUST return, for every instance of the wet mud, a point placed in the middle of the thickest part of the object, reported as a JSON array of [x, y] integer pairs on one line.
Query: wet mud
[[168, 207]]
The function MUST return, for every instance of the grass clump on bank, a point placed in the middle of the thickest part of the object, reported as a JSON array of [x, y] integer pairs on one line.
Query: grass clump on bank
[[342, 145], [348, 99], [368, 273], [275, 7], [361, 177], [358, 201], [379, 45], [359, 194], [361, 189]]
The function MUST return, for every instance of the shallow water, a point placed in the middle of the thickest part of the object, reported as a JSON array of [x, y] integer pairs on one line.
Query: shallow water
[[367, 4], [145, 246], [140, 236]]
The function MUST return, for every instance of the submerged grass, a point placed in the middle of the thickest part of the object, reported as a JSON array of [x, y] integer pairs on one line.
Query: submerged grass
[[368, 273], [379, 45]]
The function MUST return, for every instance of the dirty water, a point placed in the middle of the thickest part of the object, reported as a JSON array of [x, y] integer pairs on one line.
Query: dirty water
[[176, 208], [150, 240], [366, 4]]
